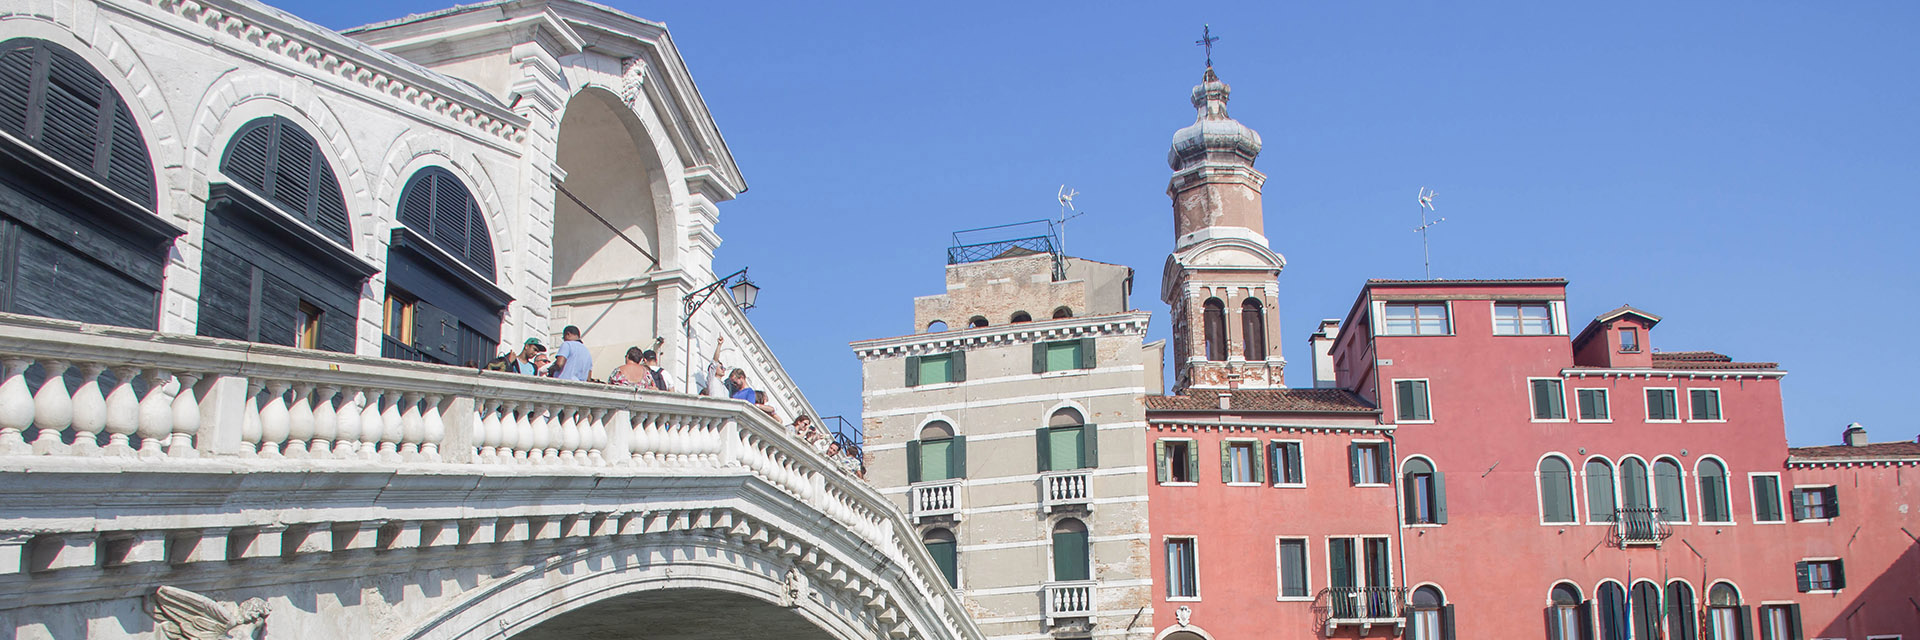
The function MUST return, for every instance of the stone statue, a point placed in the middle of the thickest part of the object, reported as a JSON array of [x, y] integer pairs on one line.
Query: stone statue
[[796, 589], [185, 615]]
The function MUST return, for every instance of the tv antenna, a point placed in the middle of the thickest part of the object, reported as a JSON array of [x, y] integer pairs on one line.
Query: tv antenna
[[1426, 205], [1067, 212]]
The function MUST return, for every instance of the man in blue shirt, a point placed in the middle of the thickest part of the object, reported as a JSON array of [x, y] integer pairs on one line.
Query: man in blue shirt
[[571, 361]]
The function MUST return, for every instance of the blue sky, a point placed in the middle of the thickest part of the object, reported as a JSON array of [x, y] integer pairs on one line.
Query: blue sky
[[1746, 170]]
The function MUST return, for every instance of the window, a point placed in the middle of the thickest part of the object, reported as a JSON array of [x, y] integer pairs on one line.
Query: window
[[1593, 405], [1634, 493], [936, 369], [1359, 577], [1066, 443], [1681, 621], [1019, 317], [1182, 576], [1820, 575], [1417, 319], [1629, 340], [1613, 612], [1253, 330], [1644, 609], [1766, 498], [1284, 458], [1177, 460], [1062, 312], [1600, 498], [1214, 326], [1556, 491], [398, 316], [1726, 619], [976, 322], [1368, 463], [1426, 492], [438, 206], [1410, 401], [278, 161], [937, 455], [1293, 568], [1063, 355], [1704, 403], [1430, 618], [946, 555], [1565, 612], [57, 103], [1670, 490], [1714, 501], [1070, 551], [1780, 622], [1549, 400], [1815, 503], [1522, 319], [307, 335], [1660, 405], [1240, 462]]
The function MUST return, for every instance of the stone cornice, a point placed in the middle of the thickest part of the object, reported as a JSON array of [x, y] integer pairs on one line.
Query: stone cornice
[[1176, 425], [1690, 374], [1833, 463], [1119, 324]]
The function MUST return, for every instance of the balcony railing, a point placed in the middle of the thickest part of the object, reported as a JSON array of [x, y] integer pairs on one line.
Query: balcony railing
[[1640, 526], [932, 499], [1064, 489], [1069, 600], [1362, 606]]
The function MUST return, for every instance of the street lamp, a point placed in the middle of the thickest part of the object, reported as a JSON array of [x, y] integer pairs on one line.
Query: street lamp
[[744, 293]]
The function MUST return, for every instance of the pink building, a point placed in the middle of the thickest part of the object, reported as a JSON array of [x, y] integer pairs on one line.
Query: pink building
[[1867, 531]]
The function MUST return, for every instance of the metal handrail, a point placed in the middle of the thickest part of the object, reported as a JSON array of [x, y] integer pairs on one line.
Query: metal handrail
[[1640, 525], [1340, 605]]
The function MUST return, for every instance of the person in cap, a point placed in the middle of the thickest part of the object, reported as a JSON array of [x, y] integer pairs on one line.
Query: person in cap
[[571, 361], [522, 362]]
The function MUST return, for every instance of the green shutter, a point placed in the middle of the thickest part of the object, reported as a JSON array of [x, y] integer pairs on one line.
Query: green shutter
[[1803, 576], [1794, 632], [1446, 622], [1193, 460], [1746, 623], [1653, 405], [1340, 556], [1409, 500], [1159, 459], [958, 366], [1833, 501], [913, 461], [1296, 473], [913, 371], [1403, 400], [1226, 462], [1766, 493], [1259, 463], [1068, 448], [1553, 623], [1274, 455], [1383, 465], [1087, 357], [1839, 574], [1799, 505], [1070, 556], [957, 458], [947, 558], [1422, 409], [1039, 357], [1090, 445], [1353, 463], [1043, 449], [1440, 499]]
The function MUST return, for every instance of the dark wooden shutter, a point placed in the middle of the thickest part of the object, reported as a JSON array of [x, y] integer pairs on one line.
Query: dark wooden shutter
[[1090, 445], [1295, 472], [1258, 463], [913, 371], [958, 365], [1833, 501], [1193, 461], [1794, 631], [1353, 463], [1403, 400], [1340, 559], [1409, 499], [1553, 622], [1839, 574], [53, 99], [946, 556], [1746, 622], [1039, 357], [16, 84], [1159, 460], [1275, 454], [1087, 355], [439, 207], [1440, 498], [1422, 405], [1799, 504], [1070, 556], [1446, 622], [436, 333], [913, 461], [1586, 620], [1043, 448], [957, 458], [1226, 462]]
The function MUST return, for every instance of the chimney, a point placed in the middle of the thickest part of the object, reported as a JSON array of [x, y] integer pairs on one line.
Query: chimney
[[1856, 435], [1322, 340], [1226, 401]]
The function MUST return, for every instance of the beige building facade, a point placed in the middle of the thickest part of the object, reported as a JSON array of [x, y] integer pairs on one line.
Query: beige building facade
[[1012, 441]]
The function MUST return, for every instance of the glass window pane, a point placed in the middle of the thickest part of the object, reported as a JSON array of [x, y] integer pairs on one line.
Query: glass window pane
[[1241, 457]]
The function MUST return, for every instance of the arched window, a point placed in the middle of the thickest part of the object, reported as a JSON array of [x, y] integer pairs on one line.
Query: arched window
[[976, 322], [1613, 611], [1645, 609], [1021, 316], [442, 303], [1062, 312], [1681, 621], [1431, 616], [1253, 329], [1634, 493], [1600, 498], [936, 326], [275, 159], [1726, 619], [938, 455], [1670, 490], [1556, 491], [53, 100], [1714, 500], [1564, 612], [1070, 561], [1067, 442], [1426, 492], [946, 554], [1214, 328], [436, 205]]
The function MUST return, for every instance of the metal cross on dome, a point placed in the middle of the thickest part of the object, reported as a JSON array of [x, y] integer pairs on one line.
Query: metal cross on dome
[[1206, 40]]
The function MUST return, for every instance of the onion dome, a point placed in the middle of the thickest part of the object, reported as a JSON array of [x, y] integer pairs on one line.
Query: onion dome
[[1212, 131]]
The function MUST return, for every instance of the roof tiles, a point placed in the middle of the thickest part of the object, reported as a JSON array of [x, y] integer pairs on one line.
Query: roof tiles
[[1254, 400]]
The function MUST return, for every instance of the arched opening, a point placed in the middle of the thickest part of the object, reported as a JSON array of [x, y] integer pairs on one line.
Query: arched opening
[[1021, 316], [1062, 312], [1670, 489], [611, 214], [936, 326], [1430, 618], [1565, 611], [1600, 497], [1613, 612], [945, 551], [1070, 554], [1253, 329], [1214, 329], [1067, 442], [1724, 615], [1426, 492], [939, 454], [1714, 501], [1633, 486], [678, 614], [1645, 609], [85, 222], [1556, 490], [976, 322], [442, 304], [277, 265], [1681, 621]]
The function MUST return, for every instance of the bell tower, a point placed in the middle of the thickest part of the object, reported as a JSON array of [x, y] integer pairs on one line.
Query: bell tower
[[1221, 279]]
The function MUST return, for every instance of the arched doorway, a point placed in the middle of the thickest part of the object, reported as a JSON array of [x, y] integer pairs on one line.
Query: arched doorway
[[678, 614], [613, 229]]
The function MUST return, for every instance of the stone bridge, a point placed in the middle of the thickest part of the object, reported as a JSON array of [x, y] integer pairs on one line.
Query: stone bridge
[[168, 486]]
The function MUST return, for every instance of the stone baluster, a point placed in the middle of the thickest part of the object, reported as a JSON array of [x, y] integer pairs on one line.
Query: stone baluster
[[326, 422], [123, 412], [186, 416], [491, 431], [346, 438], [52, 409], [551, 451], [390, 433], [89, 410], [514, 438], [645, 447], [250, 427], [619, 449], [299, 420], [16, 407], [156, 413], [434, 427], [597, 450], [569, 434], [413, 428], [373, 424], [537, 425], [275, 419]]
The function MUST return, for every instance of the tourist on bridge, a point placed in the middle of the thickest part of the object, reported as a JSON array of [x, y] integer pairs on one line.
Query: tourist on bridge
[[571, 361]]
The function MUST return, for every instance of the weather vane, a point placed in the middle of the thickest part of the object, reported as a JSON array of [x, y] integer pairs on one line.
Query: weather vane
[[1206, 40], [1066, 207], [1426, 205]]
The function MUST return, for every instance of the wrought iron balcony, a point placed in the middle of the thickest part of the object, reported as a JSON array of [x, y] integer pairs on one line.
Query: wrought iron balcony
[[935, 499], [1065, 489], [1640, 526], [1361, 606], [1069, 600]]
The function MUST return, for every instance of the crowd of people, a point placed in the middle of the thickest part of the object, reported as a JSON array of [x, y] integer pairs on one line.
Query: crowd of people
[[570, 361]]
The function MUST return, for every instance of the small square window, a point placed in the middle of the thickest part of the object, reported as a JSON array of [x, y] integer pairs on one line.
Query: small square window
[[1816, 503], [1704, 403], [1177, 460], [1369, 464], [1629, 340], [1549, 400], [1661, 405], [1293, 567], [308, 334], [1820, 575], [1416, 319], [1286, 464], [934, 369], [1766, 499], [1522, 319], [1182, 574], [1410, 401], [1240, 462], [1593, 405]]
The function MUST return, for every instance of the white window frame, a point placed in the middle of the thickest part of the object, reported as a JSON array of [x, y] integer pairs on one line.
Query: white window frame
[[1279, 572], [1753, 499], [1539, 499], [1195, 540], [1384, 453], [1556, 323], [1702, 499], [1719, 407], [1606, 400], [1394, 383], [1889, 637], [1533, 411], [1380, 318], [1843, 578], [1789, 510], [1194, 473], [1302, 484], [1647, 410], [1253, 459]]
